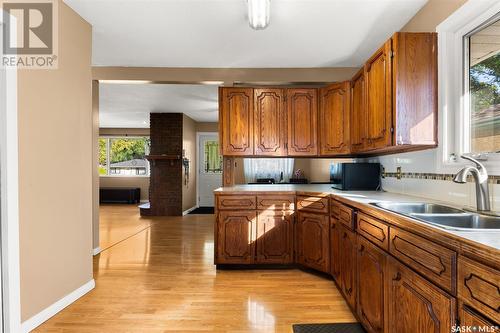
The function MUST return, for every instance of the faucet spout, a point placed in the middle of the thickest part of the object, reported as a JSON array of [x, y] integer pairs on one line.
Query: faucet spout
[[480, 176]]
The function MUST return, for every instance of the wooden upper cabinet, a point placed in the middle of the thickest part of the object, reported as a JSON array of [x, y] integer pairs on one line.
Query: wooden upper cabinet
[[379, 98], [359, 122], [237, 121], [270, 122], [334, 111], [302, 114], [415, 88]]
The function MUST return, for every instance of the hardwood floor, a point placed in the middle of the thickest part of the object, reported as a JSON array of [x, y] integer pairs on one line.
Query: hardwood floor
[[119, 222], [162, 279]]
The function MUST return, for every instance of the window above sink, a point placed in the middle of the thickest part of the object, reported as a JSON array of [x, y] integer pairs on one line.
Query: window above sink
[[469, 79]]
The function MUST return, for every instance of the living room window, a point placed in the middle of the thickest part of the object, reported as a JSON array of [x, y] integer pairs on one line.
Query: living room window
[[123, 156]]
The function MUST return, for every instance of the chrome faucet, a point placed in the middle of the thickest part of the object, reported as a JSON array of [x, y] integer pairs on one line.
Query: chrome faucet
[[480, 177]]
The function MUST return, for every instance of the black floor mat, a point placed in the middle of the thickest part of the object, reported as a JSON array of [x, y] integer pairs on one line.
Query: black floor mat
[[328, 328], [203, 210]]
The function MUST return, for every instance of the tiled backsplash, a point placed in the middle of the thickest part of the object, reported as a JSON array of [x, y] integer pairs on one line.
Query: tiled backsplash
[[421, 178], [442, 190], [434, 176]]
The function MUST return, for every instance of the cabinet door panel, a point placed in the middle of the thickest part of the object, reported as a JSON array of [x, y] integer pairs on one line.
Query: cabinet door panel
[[302, 105], [236, 237], [359, 121], [415, 92], [348, 264], [270, 122], [371, 272], [313, 241], [237, 121], [379, 102], [334, 119], [416, 305], [274, 237], [335, 257]]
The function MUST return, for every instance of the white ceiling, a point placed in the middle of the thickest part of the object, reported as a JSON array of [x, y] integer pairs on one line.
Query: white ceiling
[[215, 33], [129, 105]]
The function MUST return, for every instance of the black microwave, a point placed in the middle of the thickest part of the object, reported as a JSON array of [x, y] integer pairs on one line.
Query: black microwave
[[355, 176]]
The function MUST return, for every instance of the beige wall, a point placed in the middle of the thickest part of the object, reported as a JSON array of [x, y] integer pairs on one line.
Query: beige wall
[[207, 127], [189, 148], [55, 170], [116, 181], [433, 13]]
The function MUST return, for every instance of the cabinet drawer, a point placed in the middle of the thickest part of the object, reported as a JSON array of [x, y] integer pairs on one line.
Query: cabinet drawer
[[313, 204], [374, 230], [276, 202], [479, 286], [334, 208], [433, 261], [236, 202], [346, 216]]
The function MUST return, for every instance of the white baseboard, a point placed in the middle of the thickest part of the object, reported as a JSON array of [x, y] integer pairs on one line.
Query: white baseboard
[[143, 201], [187, 211], [56, 307], [96, 251]]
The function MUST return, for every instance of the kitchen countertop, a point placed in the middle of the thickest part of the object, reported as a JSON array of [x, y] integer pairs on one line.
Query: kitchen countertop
[[487, 240]]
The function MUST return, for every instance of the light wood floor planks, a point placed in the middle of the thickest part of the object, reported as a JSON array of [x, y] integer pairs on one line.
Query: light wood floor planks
[[162, 279]]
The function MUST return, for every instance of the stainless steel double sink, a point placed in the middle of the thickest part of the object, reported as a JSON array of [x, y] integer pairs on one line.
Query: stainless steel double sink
[[443, 216]]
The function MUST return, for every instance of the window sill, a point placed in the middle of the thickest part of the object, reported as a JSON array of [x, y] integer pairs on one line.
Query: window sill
[[123, 176]]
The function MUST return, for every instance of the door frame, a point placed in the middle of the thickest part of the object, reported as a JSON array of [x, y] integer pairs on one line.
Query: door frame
[[9, 189], [198, 135]]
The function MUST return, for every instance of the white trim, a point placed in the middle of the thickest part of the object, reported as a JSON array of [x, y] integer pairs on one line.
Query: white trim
[[451, 83], [143, 201], [189, 210], [96, 251], [9, 173], [198, 134], [50, 311]]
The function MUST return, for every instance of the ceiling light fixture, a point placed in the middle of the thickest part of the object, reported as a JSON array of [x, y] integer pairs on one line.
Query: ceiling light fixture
[[259, 13]]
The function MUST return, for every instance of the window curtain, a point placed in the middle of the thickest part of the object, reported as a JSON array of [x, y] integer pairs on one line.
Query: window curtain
[[254, 168], [212, 156]]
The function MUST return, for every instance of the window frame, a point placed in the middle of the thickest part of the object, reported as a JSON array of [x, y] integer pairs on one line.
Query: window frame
[[108, 139], [454, 104]]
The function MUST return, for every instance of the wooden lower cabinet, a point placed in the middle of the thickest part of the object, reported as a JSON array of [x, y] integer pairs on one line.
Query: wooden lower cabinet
[[415, 304], [371, 276], [335, 257], [274, 237], [313, 243], [236, 237], [468, 317], [348, 264]]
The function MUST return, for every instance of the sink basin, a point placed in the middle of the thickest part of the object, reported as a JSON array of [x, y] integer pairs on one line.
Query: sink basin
[[417, 208], [443, 216], [461, 221]]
